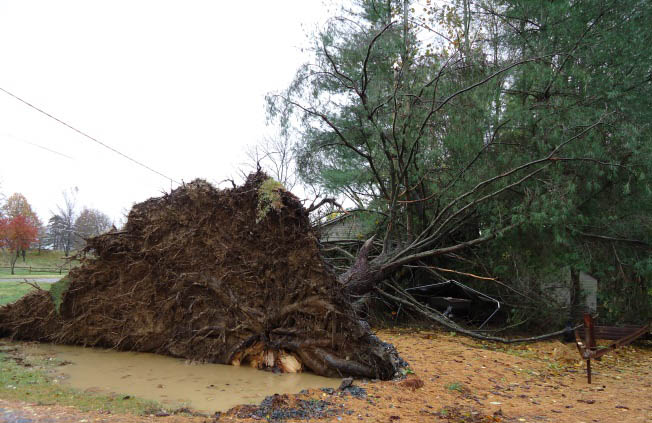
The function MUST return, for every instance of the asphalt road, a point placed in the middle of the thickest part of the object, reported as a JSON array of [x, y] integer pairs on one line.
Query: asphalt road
[[31, 279]]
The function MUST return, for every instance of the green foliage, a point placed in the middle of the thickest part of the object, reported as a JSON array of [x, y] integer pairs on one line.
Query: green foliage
[[455, 386], [269, 198], [553, 137], [592, 210], [407, 371], [57, 290]]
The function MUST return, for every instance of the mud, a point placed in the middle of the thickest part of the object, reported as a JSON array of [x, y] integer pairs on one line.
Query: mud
[[175, 383]]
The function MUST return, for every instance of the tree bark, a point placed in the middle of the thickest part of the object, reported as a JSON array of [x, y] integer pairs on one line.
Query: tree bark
[[14, 259], [361, 278]]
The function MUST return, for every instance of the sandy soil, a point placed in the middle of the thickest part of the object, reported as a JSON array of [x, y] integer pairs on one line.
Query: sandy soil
[[463, 381]]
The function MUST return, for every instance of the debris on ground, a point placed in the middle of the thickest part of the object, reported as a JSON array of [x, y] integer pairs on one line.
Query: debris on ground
[[278, 408]]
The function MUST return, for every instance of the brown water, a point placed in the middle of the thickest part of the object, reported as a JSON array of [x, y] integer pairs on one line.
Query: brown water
[[175, 382]]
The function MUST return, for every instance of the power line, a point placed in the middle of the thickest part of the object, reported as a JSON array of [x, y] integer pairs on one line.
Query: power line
[[86, 135], [37, 145]]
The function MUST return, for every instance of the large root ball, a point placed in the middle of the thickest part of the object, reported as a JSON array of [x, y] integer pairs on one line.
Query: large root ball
[[225, 276]]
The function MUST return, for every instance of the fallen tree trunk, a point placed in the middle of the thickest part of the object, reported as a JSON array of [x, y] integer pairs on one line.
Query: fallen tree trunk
[[225, 276]]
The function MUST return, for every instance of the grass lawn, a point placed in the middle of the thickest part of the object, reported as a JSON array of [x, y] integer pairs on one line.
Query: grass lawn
[[39, 262], [11, 291], [33, 275]]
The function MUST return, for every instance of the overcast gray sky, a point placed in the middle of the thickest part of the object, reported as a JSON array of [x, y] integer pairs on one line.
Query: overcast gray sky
[[178, 85]]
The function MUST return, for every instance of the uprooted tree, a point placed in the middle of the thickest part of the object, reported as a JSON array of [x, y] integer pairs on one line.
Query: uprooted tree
[[226, 276], [495, 138], [452, 150]]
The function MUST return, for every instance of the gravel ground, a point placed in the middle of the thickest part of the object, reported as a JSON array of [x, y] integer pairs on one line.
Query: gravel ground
[[23, 416], [21, 412]]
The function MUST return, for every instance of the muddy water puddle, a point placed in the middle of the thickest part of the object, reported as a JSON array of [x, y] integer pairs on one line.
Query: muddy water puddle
[[174, 382]]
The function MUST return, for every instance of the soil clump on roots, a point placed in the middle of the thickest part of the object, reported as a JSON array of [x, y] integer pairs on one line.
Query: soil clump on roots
[[226, 276]]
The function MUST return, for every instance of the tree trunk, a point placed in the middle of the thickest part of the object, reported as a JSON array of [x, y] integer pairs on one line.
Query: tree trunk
[[14, 259]]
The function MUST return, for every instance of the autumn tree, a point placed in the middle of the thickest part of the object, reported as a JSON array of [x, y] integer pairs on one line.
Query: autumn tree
[[17, 234], [17, 205]]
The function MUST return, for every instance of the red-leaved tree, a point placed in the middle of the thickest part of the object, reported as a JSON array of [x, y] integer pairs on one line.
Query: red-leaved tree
[[16, 234]]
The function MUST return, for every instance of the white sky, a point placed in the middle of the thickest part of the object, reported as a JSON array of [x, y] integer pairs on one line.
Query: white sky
[[178, 85]]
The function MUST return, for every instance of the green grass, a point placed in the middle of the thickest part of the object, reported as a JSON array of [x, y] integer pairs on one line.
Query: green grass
[[25, 274], [44, 259], [11, 291], [33, 384], [455, 386]]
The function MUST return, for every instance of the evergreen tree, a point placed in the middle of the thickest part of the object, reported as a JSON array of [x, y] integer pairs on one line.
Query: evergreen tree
[[525, 121]]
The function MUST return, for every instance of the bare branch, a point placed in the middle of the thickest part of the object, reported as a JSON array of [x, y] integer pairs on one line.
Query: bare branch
[[33, 285], [330, 201], [365, 77], [609, 238], [396, 263], [404, 298]]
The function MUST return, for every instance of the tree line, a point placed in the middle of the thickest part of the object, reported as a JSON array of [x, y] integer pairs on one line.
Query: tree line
[[66, 230]]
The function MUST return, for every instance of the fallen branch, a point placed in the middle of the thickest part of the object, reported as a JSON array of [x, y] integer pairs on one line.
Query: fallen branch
[[610, 238], [409, 301], [441, 269], [33, 285]]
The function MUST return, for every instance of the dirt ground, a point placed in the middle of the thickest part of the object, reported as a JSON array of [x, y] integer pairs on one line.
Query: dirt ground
[[463, 381]]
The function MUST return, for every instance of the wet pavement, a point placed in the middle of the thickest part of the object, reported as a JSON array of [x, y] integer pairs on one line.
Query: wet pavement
[[30, 279]]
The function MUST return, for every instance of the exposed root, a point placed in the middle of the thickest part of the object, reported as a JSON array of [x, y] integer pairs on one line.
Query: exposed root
[[201, 273]]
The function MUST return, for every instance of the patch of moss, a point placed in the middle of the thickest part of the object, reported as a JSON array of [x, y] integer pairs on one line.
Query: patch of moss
[[57, 289], [269, 198]]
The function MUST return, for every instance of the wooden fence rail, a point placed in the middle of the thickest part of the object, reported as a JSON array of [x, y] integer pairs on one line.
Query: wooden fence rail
[[35, 269]]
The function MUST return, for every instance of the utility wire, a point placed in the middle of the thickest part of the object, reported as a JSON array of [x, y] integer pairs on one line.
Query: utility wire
[[87, 136], [37, 145]]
